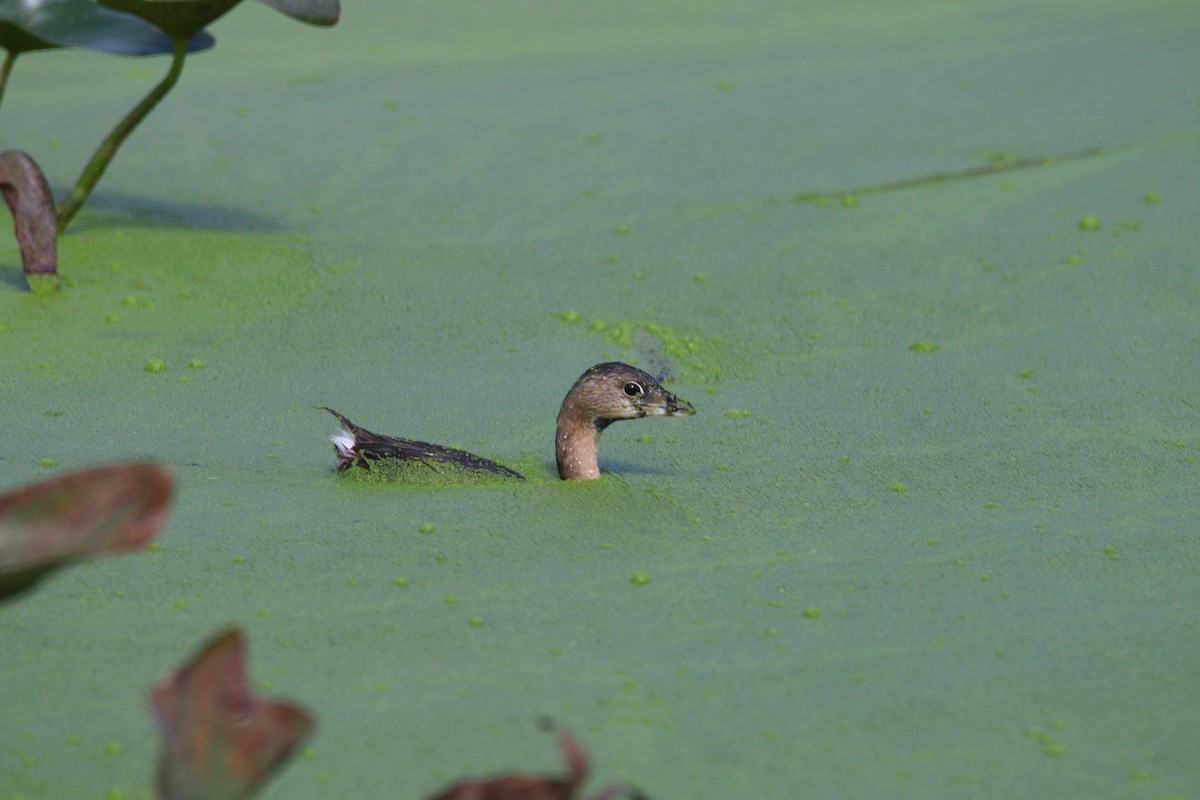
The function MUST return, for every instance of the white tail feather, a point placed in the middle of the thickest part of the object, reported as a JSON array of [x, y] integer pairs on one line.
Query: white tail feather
[[343, 442]]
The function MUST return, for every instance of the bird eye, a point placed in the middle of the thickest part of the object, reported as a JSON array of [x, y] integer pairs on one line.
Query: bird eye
[[633, 389]]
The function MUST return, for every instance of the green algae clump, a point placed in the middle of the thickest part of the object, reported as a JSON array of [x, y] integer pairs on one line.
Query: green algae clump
[[923, 347], [425, 473], [42, 283], [685, 350], [1089, 223], [156, 365]]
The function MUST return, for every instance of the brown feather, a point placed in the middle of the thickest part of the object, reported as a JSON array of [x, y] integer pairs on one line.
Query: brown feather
[[370, 447]]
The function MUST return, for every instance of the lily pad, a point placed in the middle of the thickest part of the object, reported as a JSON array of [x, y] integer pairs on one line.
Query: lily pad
[[184, 18], [43, 24], [91, 512], [314, 12], [221, 740], [180, 19]]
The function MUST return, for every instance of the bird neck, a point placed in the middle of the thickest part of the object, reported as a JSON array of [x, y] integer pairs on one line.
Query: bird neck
[[576, 442]]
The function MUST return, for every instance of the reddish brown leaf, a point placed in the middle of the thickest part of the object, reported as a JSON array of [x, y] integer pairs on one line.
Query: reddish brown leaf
[[221, 741], [29, 199], [519, 786], [507, 787], [90, 512]]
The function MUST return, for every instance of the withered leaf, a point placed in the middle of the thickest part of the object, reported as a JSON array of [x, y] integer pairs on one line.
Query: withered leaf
[[90, 512], [221, 740]]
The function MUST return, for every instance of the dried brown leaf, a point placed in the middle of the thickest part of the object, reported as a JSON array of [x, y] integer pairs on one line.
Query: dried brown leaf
[[89, 512], [221, 740]]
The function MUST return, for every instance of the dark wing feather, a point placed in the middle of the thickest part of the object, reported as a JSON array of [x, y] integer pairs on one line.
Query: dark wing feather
[[370, 446]]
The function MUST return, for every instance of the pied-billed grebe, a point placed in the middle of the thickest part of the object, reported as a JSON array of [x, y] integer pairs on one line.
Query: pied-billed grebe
[[520, 786], [603, 394]]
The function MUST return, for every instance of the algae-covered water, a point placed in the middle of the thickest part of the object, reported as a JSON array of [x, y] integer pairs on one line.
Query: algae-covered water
[[932, 532]]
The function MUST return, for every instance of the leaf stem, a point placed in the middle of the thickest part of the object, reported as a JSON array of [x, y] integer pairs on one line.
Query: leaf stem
[[29, 198], [108, 148], [10, 58]]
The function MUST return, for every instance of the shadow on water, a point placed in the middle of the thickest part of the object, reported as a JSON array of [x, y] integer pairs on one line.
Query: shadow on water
[[115, 210], [12, 276], [110, 210], [615, 469]]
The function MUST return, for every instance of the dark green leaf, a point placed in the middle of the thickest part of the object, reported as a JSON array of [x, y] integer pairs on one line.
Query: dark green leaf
[[14, 39], [41, 24], [13, 584], [180, 19], [314, 12]]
